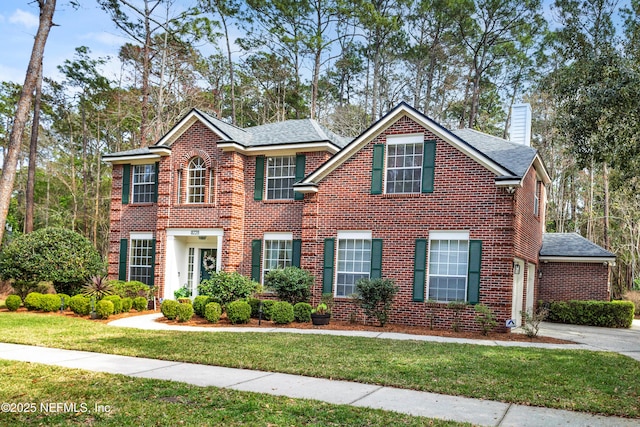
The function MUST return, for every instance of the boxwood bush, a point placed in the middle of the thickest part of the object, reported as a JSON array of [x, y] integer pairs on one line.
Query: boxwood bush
[[140, 303], [255, 307], [302, 312], [224, 287], [126, 304], [212, 312], [80, 305], [13, 302], [282, 313], [184, 311], [169, 308], [32, 301], [291, 284], [199, 304], [104, 308], [131, 289], [238, 312], [50, 302], [267, 305], [614, 314], [117, 303]]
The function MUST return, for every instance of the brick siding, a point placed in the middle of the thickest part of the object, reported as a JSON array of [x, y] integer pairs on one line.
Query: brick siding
[[565, 281]]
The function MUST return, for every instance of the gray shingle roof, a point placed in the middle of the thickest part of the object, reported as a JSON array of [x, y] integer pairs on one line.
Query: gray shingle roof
[[233, 132], [515, 157], [571, 245], [134, 152]]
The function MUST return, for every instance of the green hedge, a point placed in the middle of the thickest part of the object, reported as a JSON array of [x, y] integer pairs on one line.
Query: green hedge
[[32, 301], [614, 314], [169, 308], [282, 313], [238, 312], [212, 312], [80, 304], [302, 312], [13, 302]]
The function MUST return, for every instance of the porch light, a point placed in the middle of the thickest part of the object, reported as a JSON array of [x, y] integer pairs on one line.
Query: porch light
[[516, 268]]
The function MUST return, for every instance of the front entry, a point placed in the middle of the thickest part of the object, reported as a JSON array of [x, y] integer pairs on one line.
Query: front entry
[[518, 291], [208, 263]]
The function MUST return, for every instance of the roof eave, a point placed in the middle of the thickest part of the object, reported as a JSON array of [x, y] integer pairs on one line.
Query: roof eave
[[283, 149], [590, 260], [132, 158]]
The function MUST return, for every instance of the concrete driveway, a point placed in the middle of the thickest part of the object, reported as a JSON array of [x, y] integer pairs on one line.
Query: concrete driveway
[[623, 341]]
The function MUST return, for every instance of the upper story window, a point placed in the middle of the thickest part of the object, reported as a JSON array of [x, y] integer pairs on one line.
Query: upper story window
[[144, 183], [281, 175], [196, 180], [404, 164], [536, 199]]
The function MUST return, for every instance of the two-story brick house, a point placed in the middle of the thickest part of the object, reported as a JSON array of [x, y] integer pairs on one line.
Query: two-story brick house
[[449, 215]]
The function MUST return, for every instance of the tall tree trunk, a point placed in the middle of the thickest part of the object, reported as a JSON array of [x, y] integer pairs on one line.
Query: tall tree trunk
[[146, 71], [33, 152], [47, 8], [231, 76], [605, 225]]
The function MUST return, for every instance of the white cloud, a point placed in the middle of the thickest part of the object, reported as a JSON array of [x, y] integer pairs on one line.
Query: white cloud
[[24, 18], [9, 74], [105, 38]]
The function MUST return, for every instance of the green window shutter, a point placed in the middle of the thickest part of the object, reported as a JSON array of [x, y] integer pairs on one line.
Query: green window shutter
[[419, 269], [126, 183], [296, 252], [259, 184], [327, 270], [376, 258], [300, 163], [475, 256], [155, 192], [428, 166], [377, 169], [153, 263], [256, 253], [124, 254]]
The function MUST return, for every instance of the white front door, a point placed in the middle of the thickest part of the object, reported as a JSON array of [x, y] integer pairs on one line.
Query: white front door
[[518, 291], [531, 283]]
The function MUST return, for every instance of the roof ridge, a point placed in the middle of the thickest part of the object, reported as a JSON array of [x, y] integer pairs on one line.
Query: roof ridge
[[209, 116]]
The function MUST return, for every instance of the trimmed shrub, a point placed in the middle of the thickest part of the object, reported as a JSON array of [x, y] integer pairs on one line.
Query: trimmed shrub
[[185, 300], [282, 313], [238, 312], [57, 255], [375, 297], [291, 284], [13, 302], [140, 303], [212, 312], [117, 303], [32, 301], [80, 305], [224, 287], [302, 312], [184, 312], [104, 309], [169, 308], [199, 304], [255, 307], [267, 305], [127, 303], [614, 314], [131, 289], [50, 302]]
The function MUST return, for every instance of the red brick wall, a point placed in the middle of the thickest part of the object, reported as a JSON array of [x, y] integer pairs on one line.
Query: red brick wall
[[465, 198], [565, 281]]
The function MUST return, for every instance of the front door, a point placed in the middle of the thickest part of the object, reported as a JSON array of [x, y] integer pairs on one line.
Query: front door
[[207, 263], [518, 291]]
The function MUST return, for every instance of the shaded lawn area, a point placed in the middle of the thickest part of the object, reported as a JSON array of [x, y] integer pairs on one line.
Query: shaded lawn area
[[596, 382], [123, 401]]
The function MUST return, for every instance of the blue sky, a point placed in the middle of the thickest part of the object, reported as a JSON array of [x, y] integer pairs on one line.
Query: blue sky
[[87, 26]]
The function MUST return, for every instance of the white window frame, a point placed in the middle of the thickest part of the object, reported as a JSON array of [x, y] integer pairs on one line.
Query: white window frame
[[276, 237], [344, 236], [394, 141], [196, 182], [272, 179], [536, 199], [135, 237], [138, 187], [447, 236]]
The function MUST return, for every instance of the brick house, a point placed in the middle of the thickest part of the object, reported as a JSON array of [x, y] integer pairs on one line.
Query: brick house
[[449, 215]]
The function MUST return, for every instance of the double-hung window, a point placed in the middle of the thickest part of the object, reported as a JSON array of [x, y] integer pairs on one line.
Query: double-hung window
[[404, 164], [278, 251], [196, 177], [141, 257], [354, 261], [448, 266], [144, 183], [281, 175]]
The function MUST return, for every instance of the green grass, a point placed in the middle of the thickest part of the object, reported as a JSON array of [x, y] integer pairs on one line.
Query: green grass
[[135, 401], [595, 382]]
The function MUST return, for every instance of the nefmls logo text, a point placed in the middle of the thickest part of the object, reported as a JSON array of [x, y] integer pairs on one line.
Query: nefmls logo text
[[52, 407]]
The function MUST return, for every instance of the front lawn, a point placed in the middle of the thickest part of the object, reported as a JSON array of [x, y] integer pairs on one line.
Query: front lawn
[[596, 382], [41, 393]]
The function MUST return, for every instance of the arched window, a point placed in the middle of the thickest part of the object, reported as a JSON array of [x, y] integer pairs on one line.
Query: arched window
[[196, 180]]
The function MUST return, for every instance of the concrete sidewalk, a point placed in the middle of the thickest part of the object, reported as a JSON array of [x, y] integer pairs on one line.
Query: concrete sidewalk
[[476, 411]]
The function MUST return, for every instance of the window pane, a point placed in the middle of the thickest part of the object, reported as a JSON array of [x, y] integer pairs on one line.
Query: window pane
[[404, 168], [277, 254], [196, 180], [448, 260], [140, 262], [144, 183], [281, 175], [354, 263]]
